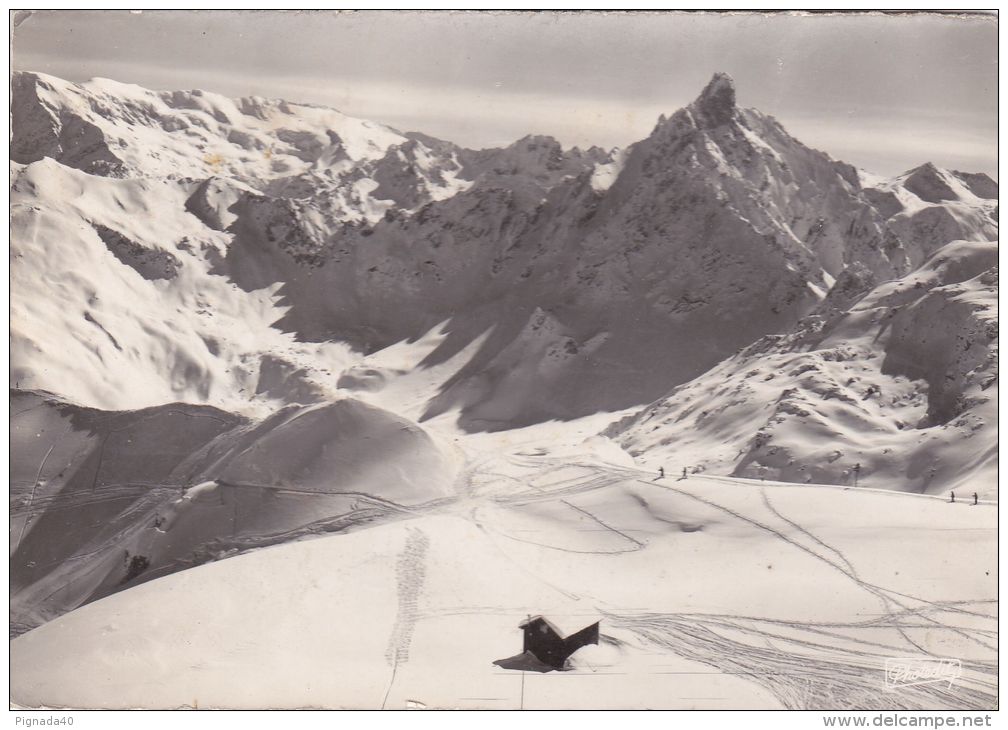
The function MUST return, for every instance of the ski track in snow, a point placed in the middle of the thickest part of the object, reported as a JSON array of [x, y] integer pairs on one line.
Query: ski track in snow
[[409, 579], [804, 664], [882, 593], [806, 674]]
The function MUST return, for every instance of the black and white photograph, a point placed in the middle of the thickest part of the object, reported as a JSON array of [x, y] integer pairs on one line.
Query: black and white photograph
[[503, 360]]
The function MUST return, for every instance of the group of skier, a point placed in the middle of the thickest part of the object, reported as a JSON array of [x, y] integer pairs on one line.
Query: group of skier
[[661, 472], [856, 471]]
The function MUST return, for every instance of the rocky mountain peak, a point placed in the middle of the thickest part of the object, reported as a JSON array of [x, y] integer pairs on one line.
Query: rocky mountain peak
[[716, 103], [929, 184]]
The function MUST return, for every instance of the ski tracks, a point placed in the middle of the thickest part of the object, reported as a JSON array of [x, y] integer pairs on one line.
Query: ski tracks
[[410, 572], [835, 675]]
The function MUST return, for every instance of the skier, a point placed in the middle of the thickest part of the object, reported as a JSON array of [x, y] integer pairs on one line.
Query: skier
[[684, 472], [976, 499], [857, 472], [661, 472], [953, 497]]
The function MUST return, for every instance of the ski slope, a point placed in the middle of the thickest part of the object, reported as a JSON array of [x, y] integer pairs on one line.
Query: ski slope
[[713, 592]]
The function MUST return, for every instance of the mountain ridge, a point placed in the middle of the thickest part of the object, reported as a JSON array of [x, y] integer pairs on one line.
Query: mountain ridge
[[716, 229]]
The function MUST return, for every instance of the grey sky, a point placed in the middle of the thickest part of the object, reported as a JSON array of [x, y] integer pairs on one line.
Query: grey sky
[[885, 92]]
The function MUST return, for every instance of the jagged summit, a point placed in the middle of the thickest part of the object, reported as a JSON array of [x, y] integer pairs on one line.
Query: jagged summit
[[716, 102], [531, 141], [929, 184], [979, 183], [926, 167]]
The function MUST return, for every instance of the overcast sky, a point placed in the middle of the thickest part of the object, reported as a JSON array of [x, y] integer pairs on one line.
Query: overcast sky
[[884, 92]]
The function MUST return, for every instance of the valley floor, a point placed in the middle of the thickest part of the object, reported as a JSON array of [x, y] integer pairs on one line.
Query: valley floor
[[713, 593]]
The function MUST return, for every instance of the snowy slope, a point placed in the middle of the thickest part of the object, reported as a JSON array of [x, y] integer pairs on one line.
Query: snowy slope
[[899, 377], [102, 501], [113, 304], [682, 627]]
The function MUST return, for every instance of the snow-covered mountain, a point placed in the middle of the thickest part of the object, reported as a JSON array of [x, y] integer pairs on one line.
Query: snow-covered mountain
[[929, 207], [104, 127], [240, 323], [553, 271], [717, 229], [894, 380]]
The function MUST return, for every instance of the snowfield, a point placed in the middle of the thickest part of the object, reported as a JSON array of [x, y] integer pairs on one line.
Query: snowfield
[[416, 610], [307, 412]]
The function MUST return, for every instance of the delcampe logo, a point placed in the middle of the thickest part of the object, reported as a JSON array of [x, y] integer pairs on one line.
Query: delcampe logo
[[908, 671]]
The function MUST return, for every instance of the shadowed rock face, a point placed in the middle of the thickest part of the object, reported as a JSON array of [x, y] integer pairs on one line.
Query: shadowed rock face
[[716, 104], [149, 263], [38, 131], [980, 184], [926, 183]]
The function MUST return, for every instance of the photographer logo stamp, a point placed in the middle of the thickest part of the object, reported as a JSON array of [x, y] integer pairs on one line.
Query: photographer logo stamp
[[910, 671]]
